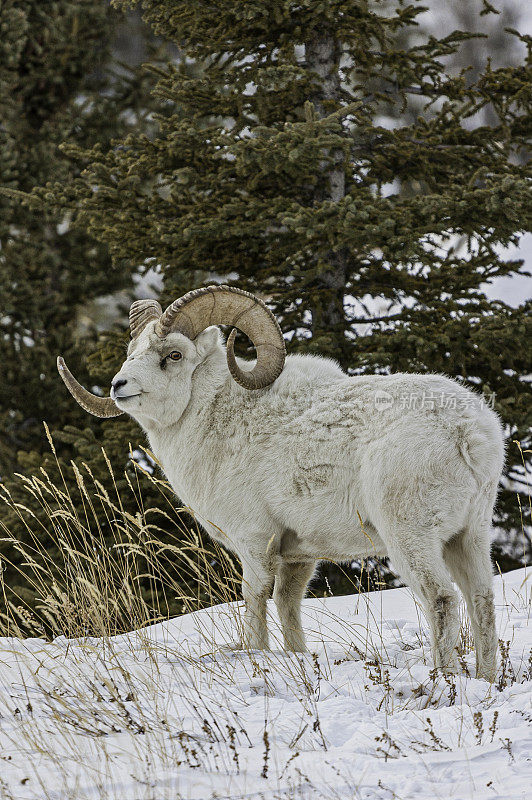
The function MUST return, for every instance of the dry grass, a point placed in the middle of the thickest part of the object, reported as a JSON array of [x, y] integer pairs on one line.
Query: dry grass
[[110, 570]]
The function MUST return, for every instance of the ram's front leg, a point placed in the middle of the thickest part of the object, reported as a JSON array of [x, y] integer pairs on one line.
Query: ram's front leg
[[257, 580]]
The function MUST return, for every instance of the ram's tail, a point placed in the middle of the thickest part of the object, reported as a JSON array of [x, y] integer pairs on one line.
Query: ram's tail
[[481, 445]]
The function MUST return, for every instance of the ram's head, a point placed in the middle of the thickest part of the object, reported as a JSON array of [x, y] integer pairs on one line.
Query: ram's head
[[166, 347]]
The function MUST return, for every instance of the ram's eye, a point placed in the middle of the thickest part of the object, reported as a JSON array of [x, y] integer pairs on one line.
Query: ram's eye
[[175, 355]]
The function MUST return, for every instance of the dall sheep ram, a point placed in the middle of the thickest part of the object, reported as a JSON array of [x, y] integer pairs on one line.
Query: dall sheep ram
[[296, 462]]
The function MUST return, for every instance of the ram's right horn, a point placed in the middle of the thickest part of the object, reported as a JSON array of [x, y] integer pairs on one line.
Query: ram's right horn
[[103, 407]]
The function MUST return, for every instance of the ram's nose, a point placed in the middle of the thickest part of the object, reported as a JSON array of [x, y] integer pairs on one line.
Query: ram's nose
[[117, 384]]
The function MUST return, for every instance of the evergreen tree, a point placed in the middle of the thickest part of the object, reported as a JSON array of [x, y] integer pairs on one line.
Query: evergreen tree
[[58, 82]]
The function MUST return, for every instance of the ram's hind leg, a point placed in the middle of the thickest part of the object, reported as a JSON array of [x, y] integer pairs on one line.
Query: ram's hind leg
[[291, 582], [419, 562], [469, 562]]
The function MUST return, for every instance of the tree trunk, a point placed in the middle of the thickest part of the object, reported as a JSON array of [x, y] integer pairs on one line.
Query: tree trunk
[[328, 317]]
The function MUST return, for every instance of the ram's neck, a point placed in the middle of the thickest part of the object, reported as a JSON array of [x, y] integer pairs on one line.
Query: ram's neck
[[179, 446]]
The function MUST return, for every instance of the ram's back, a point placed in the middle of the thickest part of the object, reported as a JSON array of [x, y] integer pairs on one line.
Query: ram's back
[[339, 450]]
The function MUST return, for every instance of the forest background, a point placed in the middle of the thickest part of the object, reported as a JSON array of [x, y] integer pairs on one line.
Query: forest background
[[360, 165]]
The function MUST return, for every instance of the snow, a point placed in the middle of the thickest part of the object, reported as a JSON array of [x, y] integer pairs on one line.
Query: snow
[[166, 712], [514, 289]]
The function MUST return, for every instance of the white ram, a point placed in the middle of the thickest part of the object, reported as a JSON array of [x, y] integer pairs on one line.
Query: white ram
[[296, 462]]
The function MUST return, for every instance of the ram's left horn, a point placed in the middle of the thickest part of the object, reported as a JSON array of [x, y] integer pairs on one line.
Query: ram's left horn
[[142, 312], [103, 407]]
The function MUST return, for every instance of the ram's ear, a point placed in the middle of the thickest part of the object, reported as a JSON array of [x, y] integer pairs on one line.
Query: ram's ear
[[207, 340]]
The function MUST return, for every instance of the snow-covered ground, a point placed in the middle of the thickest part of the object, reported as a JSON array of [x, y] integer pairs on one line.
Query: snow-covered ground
[[164, 713]]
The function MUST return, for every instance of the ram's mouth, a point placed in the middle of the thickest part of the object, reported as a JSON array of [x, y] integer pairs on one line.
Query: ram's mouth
[[119, 397]]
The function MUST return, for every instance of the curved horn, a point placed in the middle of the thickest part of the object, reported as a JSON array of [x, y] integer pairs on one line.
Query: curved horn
[[99, 406], [226, 305], [142, 312]]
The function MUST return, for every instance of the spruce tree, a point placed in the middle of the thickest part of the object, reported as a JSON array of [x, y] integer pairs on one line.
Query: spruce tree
[[323, 158], [59, 81]]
